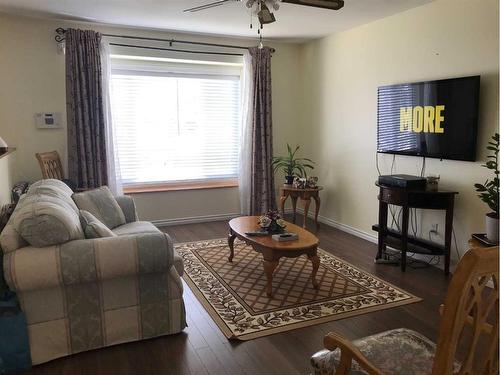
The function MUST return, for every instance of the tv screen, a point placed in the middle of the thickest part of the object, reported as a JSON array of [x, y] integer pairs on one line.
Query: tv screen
[[436, 119]]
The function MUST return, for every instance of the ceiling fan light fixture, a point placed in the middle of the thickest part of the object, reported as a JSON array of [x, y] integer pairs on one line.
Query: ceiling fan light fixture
[[265, 15]]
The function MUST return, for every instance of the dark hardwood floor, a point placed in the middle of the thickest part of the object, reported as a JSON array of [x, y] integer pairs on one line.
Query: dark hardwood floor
[[203, 349]]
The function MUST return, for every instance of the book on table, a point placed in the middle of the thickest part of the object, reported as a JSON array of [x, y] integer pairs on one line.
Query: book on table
[[282, 237]]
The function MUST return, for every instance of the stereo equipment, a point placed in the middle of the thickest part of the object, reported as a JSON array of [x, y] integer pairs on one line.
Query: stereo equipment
[[403, 181]]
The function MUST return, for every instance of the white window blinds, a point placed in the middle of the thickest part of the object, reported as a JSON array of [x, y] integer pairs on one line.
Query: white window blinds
[[175, 121]]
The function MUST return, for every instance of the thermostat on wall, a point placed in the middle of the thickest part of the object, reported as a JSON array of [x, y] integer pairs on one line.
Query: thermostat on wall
[[48, 120]]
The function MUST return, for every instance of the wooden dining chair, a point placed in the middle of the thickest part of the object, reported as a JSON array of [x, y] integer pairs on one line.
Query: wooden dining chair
[[50, 164], [469, 325]]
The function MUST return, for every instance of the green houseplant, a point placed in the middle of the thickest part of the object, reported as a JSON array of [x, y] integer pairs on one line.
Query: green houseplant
[[489, 191], [291, 165]]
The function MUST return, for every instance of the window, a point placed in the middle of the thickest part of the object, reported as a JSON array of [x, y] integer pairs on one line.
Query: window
[[176, 122]]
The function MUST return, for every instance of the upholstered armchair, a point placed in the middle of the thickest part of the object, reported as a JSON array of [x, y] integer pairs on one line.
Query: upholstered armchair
[[83, 293], [471, 307]]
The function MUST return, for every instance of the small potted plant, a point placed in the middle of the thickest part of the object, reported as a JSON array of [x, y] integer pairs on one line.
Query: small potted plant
[[292, 166], [272, 222], [489, 191]]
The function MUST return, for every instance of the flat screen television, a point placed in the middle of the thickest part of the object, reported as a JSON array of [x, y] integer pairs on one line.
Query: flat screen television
[[436, 119]]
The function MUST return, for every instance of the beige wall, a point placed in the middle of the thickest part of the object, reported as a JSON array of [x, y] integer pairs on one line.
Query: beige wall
[[32, 80], [341, 73]]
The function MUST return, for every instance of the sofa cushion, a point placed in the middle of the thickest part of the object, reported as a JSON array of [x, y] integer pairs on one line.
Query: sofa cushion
[[45, 220], [56, 189], [127, 205], [51, 187], [101, 203], [92, 227], [136, 227], [10, 238]]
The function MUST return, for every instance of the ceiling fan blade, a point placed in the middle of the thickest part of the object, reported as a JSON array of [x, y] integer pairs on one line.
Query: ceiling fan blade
[[325, 4], [207, 6]]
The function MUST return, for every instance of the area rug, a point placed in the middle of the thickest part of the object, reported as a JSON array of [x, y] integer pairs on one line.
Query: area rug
[[234, 293]]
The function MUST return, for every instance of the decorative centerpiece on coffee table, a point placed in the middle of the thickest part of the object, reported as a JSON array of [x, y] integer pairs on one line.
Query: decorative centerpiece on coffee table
[[272, 222]]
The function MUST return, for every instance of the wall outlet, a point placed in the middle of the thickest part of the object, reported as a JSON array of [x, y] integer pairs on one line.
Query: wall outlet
[[434, 228]]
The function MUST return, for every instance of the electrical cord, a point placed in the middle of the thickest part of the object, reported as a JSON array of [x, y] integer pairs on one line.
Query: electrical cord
[[412, 223], [422, 172], [376, 162], [412, 262], [418, 263], [456, 245], [378, 166], [454, 240], [398, 220], [395, 220], [415, 230]]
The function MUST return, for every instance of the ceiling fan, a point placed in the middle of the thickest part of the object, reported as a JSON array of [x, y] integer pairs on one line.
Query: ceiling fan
[[264, 13]]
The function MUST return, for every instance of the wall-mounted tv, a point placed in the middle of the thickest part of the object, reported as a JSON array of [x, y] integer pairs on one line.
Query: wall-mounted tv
[[436, 119]]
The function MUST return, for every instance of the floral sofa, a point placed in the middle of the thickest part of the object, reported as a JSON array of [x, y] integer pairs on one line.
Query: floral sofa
[[83, 293]]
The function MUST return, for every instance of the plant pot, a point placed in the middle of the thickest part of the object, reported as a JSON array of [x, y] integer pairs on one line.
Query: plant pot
[[492, 227], [289, 180]]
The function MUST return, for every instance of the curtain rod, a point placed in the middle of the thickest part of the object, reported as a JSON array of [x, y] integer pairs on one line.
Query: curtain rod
[[60, 38], [176, 50]]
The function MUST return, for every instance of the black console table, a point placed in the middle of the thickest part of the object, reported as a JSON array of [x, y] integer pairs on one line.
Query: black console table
[[407, 198]]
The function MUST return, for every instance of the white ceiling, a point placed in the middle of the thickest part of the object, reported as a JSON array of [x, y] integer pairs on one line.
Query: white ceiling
[[294, 22]]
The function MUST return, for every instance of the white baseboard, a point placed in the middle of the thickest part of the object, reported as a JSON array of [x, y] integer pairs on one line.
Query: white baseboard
[[223, 217], [194, 220], [322, 219], [335, 224]]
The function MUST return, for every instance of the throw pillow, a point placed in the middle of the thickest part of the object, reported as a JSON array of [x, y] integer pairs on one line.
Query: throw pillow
[[101, 203], [46, 220], [92, 227]]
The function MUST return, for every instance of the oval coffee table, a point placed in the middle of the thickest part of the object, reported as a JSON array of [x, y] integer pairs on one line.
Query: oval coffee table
[[271, 250]]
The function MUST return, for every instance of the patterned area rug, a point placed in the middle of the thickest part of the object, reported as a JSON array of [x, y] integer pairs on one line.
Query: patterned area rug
[[234, 293]]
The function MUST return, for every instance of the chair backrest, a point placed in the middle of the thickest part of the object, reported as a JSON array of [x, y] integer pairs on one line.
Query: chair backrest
[[50, 164], [469, 321]]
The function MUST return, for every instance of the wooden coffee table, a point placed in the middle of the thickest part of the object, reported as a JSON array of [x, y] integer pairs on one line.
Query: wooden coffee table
[[271, 250]]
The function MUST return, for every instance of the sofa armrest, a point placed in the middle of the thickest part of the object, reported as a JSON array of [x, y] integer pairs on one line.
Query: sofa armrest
[[88, 261], [127, 205]]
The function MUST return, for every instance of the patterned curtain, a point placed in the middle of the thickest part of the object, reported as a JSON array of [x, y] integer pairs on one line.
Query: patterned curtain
[[87, 164], [262, 179]]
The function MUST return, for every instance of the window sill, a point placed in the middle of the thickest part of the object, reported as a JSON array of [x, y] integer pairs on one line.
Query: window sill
[[179, 186]]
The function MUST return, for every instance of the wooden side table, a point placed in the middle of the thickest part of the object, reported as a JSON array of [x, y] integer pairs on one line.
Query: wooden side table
[[407, 198], [305, 196]]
